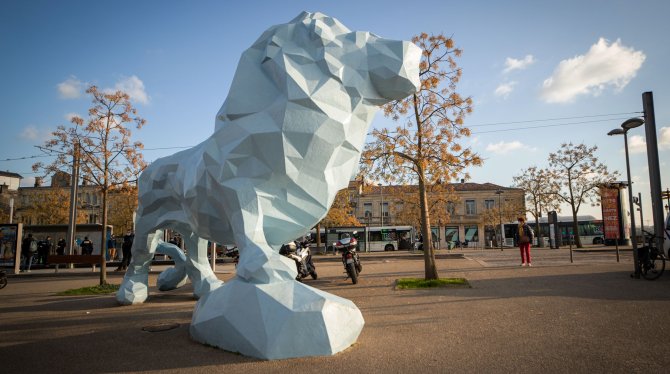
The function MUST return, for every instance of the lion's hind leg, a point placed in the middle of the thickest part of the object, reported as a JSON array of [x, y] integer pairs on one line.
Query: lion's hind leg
[[197, 266]]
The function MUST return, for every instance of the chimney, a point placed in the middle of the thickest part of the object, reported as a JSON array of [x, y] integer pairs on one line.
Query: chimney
[[38, 181], [462, 180]]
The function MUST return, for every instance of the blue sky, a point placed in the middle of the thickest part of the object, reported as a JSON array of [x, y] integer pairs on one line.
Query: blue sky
[[566, 71]]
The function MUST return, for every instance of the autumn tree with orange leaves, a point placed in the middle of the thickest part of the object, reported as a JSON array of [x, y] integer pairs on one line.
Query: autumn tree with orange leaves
[[107, 157], [341, 212], [424, 148]]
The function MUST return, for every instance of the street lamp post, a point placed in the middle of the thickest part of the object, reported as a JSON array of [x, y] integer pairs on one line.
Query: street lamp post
[[628, 125], [381, 208], [499, 193]]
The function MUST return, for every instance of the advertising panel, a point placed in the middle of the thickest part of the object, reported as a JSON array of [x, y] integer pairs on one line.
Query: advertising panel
[[609, 201]]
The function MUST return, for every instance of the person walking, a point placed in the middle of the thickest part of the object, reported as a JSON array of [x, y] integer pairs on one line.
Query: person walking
[[523, 236], [28, 250]]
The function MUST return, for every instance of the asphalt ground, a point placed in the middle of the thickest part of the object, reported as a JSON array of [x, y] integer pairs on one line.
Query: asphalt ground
[[557, 317]]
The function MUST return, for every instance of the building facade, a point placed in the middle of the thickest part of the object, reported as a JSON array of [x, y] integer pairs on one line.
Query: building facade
[[37, 205], [468, 218]]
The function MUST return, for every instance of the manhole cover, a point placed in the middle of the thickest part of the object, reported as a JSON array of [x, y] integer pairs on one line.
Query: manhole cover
[[161, 327]]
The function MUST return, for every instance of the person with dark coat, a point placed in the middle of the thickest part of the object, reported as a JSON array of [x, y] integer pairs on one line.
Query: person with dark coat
[[86, 246], [523, 236], [44, 248], [60, 247], [126, 248]]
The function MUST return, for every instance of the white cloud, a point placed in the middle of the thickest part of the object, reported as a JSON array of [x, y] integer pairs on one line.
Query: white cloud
[[504, 147], [504, 89], [134, 87], [30, 132], [637, 144], [71, 88], [664, 138], [514, 64], [603, 65]]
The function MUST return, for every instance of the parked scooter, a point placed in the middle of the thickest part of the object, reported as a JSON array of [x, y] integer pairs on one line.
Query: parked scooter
[[352, 264], [301, 254]]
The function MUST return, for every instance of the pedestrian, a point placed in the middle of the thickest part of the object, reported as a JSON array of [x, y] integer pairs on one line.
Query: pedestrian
[[28, 250], [44, 248], [60, 247], [523, 236], [86, 246], [111, 246], [126, 248]]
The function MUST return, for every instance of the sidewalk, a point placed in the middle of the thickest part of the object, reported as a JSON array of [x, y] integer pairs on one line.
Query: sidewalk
[[553, 317]]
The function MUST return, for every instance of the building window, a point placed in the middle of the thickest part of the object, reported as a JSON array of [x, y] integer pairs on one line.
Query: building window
[[451, 208], [470, 208], [451, 233], [367, 209], [385, 209], [489, 204], [471, 234]]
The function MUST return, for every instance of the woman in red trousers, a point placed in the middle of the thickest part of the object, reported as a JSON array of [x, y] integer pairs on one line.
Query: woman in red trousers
[[523, 236]]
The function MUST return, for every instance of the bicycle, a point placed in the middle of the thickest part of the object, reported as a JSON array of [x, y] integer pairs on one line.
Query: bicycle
[[651, 259]]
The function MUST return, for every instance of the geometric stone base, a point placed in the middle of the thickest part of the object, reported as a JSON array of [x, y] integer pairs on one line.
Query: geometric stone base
[[277, 320]]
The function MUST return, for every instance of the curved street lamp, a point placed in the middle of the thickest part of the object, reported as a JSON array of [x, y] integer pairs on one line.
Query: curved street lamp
[[627, 125]]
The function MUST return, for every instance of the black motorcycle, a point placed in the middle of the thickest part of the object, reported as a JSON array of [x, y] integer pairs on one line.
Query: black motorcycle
[[352, 264], [233, 253], [301, 254], [3, 279]]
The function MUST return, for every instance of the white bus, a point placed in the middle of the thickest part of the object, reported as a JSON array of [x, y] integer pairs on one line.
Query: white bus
[[590, 230], [371, 238], [390, 238]]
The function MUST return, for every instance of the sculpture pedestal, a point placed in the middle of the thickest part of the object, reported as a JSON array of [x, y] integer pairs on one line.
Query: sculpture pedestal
[[275, 320]]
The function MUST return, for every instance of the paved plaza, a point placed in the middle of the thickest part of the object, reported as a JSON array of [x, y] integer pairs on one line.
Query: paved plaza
[[585, 316]]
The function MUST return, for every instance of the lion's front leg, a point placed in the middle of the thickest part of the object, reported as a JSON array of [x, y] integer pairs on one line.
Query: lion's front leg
[[259, 263]]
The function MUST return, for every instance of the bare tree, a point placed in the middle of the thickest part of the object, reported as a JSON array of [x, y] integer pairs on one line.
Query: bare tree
[[539, 187], [578, 174], [424, 149], [102, 144]]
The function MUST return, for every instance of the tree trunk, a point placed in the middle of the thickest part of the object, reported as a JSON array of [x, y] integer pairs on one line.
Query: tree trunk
[[538, 234], [428, 254], [103, 240], [575, 229]]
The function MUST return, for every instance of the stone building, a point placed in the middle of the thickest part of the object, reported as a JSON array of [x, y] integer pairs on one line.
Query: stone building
[[9, 191], [467, 220], [30, 209]]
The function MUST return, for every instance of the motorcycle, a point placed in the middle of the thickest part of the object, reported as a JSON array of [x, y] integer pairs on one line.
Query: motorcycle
[[352, 264], [301, 254], [3, 279], [233, 253]]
